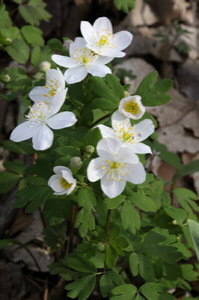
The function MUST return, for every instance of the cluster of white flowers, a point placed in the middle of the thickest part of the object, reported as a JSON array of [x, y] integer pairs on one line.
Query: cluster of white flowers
[[118, 161], [91, 53], [43, 114]]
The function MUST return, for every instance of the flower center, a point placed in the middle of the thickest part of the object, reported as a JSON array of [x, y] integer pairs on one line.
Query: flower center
[[125, 134], [85, 56], [65, 184], [116, 170], [131, 107], [103, 40], [38, 112], [52, 87]]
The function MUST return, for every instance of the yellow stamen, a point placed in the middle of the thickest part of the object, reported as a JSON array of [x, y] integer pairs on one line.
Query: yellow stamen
[[103, 40], [131, 107], [65, 184]]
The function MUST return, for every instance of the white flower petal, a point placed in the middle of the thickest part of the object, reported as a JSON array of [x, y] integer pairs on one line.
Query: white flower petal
[[23, 131], [53, 75], [126, 155], [54, 183], [120, 121], [140, 148], [58, 100], [38, 93], [144, 129], [75, 74], [65, 61], [62, 120], [104, 60], [103, 26], [98, 70], [43, 139], [78, 44], [106, 131], [122, 39], [108, 148], [112, 188], [96, 170], [58, 169], [87, 31], [137, 174]]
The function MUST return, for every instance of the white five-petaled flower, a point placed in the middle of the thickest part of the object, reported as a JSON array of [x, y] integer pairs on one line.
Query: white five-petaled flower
[[41, 117], [81, 62], [129, 135], [63, 181], [114, 166], [131, 107], [101, 40], [54, 90]]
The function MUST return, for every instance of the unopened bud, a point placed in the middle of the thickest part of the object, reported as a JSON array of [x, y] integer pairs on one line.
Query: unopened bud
[[89, 149], [126, 94], [44, 66], [127, 80], [67, 44], [8, 41], [175, 222], [100, 246], [75, 162], [5, 78], [38, 75]]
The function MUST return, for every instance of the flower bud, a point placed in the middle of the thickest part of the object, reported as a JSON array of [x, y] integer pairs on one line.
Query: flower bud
[[8, 41], [75, 162], [89, 149], [100, 246], [5, 78], [67, 43], [44, 66], [126, 94]]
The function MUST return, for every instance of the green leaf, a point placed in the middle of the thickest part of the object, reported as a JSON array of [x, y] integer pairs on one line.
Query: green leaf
[[113, 203], [5, 20], [134, 264], [152, 290], [19, 51], [32, 35], [79, 263], [153, 91], [15, 166], [176, 213], [58, 207], [186, 198], [34, 11], [194, 231], [85, 219], [124, 5], [68, 151], [81, 288], [7, 181], [124, 292], [143, 202], [187, 169], [130, 217], [20, 148], [108, 281], [110, 256]]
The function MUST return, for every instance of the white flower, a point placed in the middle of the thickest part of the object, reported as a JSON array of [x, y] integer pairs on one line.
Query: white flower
[[63, 181], [131, 107], [101, 40], [41, 117], [131, 136], [81, 62], [53, 92], [114, 166]]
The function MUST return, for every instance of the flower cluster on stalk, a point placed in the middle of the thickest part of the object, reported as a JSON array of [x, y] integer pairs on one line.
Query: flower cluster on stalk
[[118, 161]]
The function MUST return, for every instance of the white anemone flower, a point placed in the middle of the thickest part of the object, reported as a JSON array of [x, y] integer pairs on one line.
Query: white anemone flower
[[81, 62], [129, 135], [101, 40], [131, 107], [114, 167], [41, 117], [63, 181], [54, 90]]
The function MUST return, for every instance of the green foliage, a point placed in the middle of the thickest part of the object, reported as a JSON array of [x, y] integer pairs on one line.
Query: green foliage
[[124, 5], [34, 11], [153, 92], [8, 181]]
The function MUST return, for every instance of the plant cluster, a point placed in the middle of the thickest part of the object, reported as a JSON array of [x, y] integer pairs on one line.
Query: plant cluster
[[125, 238]]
